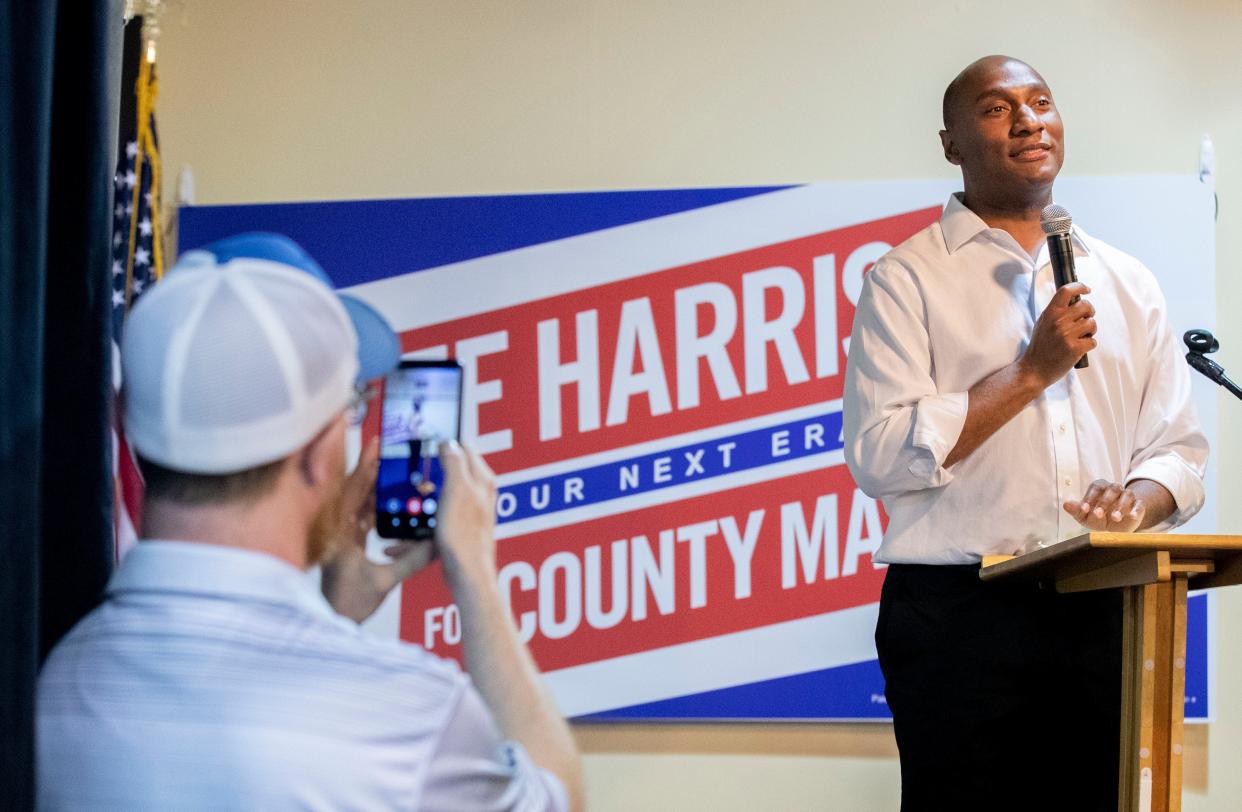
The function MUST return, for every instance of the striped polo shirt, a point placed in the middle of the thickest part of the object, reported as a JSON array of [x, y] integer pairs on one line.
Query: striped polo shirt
[[220, 678]]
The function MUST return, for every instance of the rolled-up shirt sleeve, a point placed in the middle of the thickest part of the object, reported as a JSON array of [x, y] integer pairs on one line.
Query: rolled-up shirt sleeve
[[1169, 445], [898, 428], [475, 768]]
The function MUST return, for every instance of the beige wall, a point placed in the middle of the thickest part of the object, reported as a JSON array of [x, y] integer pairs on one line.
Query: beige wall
[[327, 99]]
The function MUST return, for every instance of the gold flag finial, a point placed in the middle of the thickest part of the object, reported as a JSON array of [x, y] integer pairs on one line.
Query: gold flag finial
[[151, 26]]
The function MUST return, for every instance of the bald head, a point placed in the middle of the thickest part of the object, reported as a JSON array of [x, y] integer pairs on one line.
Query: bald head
[[966, 85]]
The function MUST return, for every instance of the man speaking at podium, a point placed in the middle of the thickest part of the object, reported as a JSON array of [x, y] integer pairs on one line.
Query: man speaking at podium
[[965, 414]]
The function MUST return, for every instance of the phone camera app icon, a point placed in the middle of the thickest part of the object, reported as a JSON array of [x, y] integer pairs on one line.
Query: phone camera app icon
[[415, 505]]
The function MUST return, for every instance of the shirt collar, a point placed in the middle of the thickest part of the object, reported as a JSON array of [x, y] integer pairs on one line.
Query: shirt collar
[[216, 571], [959, 225]]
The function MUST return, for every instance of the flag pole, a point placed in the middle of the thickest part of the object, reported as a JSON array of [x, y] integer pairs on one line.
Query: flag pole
[[145, 92]]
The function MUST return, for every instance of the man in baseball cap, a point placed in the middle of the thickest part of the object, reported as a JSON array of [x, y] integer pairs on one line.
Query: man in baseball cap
[[217, 674]]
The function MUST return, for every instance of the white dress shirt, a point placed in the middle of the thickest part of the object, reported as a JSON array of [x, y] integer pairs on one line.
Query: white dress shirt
[[955, 303], [219, 678]]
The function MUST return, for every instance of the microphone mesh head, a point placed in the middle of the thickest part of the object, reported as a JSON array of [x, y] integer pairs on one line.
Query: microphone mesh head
[[1055, 219]]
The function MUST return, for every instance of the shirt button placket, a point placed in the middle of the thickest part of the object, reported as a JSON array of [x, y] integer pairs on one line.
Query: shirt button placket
[[1065, 450]]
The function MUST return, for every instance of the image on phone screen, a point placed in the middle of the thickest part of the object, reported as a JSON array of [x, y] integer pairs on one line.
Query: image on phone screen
[[420, 407]]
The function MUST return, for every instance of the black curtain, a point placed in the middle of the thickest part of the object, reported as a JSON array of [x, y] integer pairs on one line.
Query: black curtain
[[59, 90]]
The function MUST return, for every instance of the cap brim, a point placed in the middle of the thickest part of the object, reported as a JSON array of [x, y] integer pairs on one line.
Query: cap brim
[[378, 347]]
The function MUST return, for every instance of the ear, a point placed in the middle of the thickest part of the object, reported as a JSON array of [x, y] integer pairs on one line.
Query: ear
[[950, 149], [316, 463]]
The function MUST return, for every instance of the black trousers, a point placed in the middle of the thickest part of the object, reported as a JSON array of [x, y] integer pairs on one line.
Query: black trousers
[[1005, 696]]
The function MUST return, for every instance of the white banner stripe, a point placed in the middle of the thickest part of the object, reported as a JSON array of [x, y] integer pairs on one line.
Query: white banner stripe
[[600, 257], [755, 655], [676, 493], [689, 438]]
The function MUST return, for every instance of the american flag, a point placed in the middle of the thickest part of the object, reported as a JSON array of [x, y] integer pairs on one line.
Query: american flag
[[137, 251]]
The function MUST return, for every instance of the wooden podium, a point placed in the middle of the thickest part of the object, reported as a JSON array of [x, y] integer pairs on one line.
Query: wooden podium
[[1154, 570]]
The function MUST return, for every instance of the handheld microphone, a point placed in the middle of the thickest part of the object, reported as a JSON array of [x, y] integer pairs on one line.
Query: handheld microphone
[[1055, 222]]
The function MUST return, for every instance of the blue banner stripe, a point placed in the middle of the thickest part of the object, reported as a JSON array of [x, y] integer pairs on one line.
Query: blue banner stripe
[[1197, 697], [359, 241], [857, 691], [671, 467], [846, 692]]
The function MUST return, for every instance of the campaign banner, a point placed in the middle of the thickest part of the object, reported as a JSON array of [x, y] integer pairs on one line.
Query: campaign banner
[[656, 378]]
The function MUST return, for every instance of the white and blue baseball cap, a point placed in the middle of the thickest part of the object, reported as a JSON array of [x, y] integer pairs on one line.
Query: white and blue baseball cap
[[242, 354]]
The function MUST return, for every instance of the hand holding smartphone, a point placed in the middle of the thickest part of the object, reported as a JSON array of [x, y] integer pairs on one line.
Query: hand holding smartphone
[[420, 407]]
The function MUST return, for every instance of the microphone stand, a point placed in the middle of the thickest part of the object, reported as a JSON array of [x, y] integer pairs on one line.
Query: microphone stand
[[1200, 343]]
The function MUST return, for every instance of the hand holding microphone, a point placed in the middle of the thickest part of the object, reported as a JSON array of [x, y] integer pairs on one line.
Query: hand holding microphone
[[1063, 335], [1056, 222]]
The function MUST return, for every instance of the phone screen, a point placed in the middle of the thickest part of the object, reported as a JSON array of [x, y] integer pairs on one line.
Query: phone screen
[[421, 406]]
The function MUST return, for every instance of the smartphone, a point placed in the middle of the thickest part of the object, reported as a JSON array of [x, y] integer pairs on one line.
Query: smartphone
[[420, 407]]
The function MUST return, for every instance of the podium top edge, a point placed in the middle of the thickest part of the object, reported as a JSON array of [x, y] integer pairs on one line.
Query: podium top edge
[[1162, 541], [1174, 543]]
